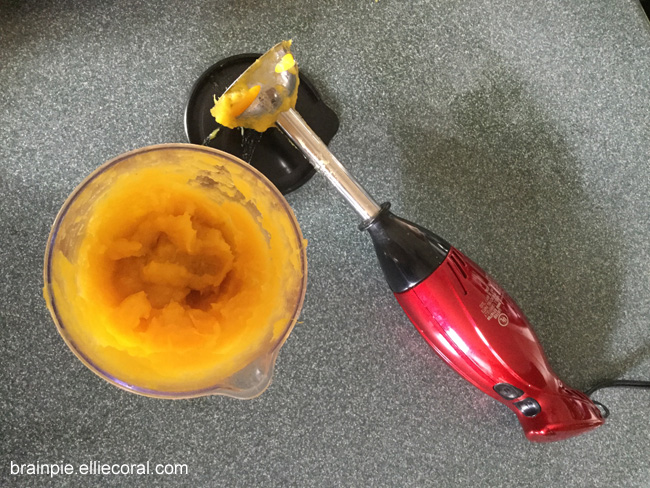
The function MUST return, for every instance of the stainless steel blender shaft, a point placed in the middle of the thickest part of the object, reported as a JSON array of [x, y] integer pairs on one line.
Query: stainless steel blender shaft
[[292, 124]]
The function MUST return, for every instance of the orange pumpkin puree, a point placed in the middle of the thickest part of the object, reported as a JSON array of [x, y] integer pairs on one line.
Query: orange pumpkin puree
[[229, 108], [173, 289]]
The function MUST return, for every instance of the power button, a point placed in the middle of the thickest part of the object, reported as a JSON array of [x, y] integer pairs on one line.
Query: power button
[[507, 391], [529, 407]]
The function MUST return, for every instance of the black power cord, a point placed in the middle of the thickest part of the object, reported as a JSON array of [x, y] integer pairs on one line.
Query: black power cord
[[615, 384]]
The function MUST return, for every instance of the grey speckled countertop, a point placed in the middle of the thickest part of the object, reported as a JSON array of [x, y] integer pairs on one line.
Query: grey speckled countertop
[[520, 131]]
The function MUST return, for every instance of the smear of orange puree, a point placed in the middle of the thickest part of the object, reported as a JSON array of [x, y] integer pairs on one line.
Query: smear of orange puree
[[229, 109], [173, 290]]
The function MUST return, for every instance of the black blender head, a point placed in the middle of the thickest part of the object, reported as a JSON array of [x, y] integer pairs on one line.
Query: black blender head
[[270, 152]]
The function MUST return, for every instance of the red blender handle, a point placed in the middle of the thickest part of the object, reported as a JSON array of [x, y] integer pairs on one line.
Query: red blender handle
[[477, 329], [482, 334]]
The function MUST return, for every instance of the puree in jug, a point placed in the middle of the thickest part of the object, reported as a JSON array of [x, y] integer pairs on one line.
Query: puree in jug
[[179, 280]]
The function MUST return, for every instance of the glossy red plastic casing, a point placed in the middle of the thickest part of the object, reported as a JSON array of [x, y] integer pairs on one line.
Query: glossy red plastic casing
[[482, 334]]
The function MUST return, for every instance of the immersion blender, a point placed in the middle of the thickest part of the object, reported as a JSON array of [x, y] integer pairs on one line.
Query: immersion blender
[[473, 325]]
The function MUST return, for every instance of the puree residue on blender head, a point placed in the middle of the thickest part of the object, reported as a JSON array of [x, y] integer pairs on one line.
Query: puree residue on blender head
[[230, 106], [173, 290]]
